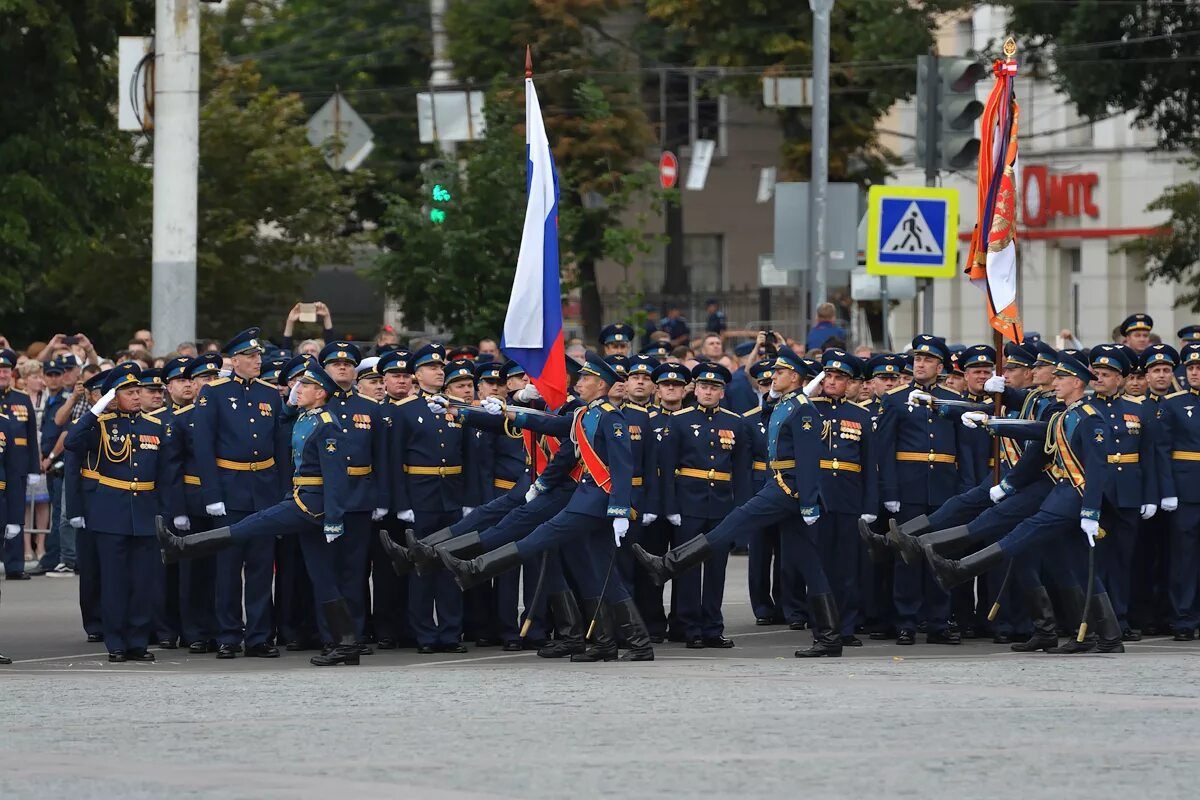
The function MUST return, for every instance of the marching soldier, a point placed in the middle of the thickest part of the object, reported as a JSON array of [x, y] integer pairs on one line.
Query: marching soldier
[[1180, 443]]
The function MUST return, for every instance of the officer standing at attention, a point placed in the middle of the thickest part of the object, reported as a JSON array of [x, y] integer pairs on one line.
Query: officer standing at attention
[[235, 427], [617, 339], [13, 493], [706, 458], [1180, 443], [919, 469], [389, 607], [428, 489], [23, 441], [763, 574], [78, 492], [364, 451], [123, 449], [849, 485]]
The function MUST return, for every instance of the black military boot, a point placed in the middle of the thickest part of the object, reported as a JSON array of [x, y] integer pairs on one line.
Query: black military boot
[[603, 645], [827, 626], [949, 573], [568, 627], [470, 572], [909, 545], [421, 552], [1073, 602], [677, 559], [341, 628], [632, 630], [1107, 626], [877, 545], [466, 546], [194, 545], [1041, 612], [397, 555]]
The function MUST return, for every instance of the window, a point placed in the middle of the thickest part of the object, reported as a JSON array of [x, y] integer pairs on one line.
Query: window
[[704, 260]]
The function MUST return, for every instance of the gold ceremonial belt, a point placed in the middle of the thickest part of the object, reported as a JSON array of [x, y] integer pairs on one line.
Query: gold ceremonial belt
[[929, 458], [193, 480], [636, 481], [786, 464], [129, 486], [439, 471], [20, 441], [308, 480], [759, 465], [1127, 458], [246, 466], [500, 483], [847, 466], [3, 485], [359, 471], [704, 474], [1185, 455]]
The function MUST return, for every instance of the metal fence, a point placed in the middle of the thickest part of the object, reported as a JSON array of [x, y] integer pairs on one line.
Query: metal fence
[[743, 309]]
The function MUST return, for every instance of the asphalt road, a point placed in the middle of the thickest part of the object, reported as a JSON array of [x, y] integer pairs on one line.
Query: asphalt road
[[922, 722]]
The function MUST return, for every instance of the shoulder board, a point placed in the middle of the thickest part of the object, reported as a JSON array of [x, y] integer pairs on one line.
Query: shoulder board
[[21, 392], [730, 413], [1174, 394], [752, 412], [154, 413], [267, 384], [652, 413], [107, 416], [1089, 409], [408, 399], [682, 411], [820, 399], [863, 406], [637, 407], [368, 399], [903, 387], [951, 391], [1131, 399], [608, 407], [183, 409], [326, 416], [152, 418], [217, 382]]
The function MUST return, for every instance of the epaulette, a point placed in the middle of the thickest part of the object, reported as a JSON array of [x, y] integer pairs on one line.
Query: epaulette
[[154, 413], [1175, 394], [652, 413], [683, 411], [727, 411], [899, 388], [943, 387], [751, 413], [364, 397], [1132, 399], [408, 399], [152, 418], [183, 409], [606, 406], [106, 416], [267, 384], [820, 399], [863, 406], [1089, 409], [637, 407], [217, 382], [15, 390], [326, 416]]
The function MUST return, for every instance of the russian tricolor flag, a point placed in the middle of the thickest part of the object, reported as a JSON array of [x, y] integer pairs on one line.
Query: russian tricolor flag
[[533, 327]]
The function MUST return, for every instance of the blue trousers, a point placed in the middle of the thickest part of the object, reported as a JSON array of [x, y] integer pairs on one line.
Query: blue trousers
[[699, 593], [916, 594], [127, 595], [253, 557], [839, 546], [1115, 556], [491, 512], [389, 601], [588, 555], [87, 567], [436, 592], [520, 521], [764, 573], [60, 549], [295, 611], [656, 538], [1184, 550]]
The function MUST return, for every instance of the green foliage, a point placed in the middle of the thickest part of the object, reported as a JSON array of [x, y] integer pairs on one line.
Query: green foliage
[[1174, 253], [873, 49]]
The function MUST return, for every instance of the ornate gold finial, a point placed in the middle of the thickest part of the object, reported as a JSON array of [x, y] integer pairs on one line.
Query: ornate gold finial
[[1010, 47]]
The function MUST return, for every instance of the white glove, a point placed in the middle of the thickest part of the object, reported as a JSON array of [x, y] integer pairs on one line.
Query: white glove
[[532, 493], [1091, 529], [892, 506], [868, 518], [437, 404], [32, 478], [916, 397], [974, 419], [648, 519], [1149, 510], [11, 531], [492, 405], [997, 493], [530, 392], [994, 384], [1169, 503], [774, 395], [812, 385], [182, 523], [378, 514], [103, 402], [215, 509], [620, 528], [294, 395], [675, 519], [406, 515], [467, 510], [77, 522], [811, 520]]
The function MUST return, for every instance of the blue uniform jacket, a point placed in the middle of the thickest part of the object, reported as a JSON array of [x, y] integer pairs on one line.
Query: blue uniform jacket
[[849, 474], [496, 459], [1179, 445], [319, 479], [14, 490], [606, 432], [919, 450], [642, 423], [755, 421], [19, 409], [235, 440], [426, 453], [74, 485], [184, 433], [363, 450], [740, 396], [129, 456], [1133, 430], [50, 430], [707, 462], [794, 451]]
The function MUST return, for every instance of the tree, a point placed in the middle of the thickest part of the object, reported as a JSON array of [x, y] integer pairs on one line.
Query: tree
[[1173, 254], [873, 49]]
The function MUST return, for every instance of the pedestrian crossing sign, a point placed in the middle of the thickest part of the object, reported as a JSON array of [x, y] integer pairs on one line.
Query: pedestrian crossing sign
[[912, 230]]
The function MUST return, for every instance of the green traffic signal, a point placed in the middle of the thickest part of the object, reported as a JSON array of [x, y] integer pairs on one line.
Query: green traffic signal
[[441, 194], [437, 216]]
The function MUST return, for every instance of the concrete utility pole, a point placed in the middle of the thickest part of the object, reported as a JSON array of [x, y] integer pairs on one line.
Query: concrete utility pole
[[176, 164], [822, 11], [441, 75], [932, 162]]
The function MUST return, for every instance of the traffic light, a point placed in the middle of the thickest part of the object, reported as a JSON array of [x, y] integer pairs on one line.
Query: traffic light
[[947, 110], [437, 189]]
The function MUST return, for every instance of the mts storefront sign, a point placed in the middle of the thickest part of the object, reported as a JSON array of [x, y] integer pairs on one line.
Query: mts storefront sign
[[1046, 196]]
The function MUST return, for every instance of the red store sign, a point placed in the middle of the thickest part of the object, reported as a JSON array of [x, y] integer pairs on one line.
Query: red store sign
[[1045, 196]]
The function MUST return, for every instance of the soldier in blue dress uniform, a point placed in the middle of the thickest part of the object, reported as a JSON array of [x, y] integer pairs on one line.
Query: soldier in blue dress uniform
[[77, 496], [312, 513], [12, 494], [616, 339], [763, 574], [706, 459], [1179, 445], [123, 452], [237, 446], [849, 484], [23, 441], [793, 452]]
